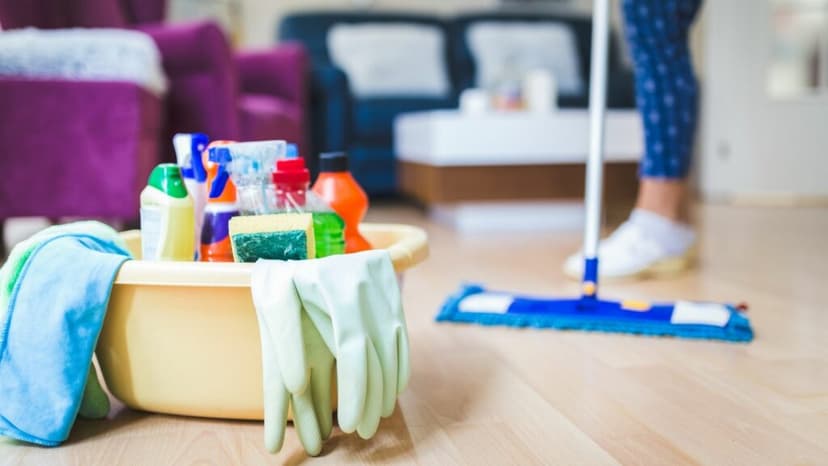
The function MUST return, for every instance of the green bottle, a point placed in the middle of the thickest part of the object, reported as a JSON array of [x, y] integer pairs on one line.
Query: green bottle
[[292, 182], [167, 222]]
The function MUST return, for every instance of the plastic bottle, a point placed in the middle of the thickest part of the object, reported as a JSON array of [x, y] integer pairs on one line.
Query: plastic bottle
[[167, 221], [340, 190], [221, 206], [540, 91], [189, 150], [506, 90], [292, 182], [251, 168]]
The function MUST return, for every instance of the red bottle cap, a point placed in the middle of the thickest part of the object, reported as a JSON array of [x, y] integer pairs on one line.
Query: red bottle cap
[[291, 171]]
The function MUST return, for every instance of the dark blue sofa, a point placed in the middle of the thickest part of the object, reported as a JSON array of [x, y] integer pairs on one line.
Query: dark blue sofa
[[363, 127]]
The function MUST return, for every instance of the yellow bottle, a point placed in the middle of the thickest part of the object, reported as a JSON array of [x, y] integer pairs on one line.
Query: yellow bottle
[[167, 222]]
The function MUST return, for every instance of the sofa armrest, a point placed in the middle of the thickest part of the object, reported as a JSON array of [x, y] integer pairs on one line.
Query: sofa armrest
[[204, 83], [80, 148], [331, 102], [281, 72]]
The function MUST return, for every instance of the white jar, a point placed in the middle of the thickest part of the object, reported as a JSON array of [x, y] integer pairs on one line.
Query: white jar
[[540, 91], [474, 101]]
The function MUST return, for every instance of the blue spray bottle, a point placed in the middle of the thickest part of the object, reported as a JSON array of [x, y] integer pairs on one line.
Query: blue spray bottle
[[221, 205]]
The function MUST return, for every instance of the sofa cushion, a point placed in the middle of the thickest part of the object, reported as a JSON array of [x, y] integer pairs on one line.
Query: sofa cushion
[[311, 28], [399, 59], [523, 46], [374, 118], [268, 117]]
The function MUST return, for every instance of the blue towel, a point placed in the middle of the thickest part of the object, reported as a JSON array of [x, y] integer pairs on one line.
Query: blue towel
[[49, 332]]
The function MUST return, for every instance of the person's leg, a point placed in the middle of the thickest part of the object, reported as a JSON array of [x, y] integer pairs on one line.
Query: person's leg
[[667, 96], [655, 239], [666, 197]]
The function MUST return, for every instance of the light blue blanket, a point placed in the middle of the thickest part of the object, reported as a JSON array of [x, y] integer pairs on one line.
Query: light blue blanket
[[49, 331]]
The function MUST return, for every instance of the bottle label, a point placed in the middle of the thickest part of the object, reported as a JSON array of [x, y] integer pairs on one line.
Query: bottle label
[[150, 232], [216, 225]]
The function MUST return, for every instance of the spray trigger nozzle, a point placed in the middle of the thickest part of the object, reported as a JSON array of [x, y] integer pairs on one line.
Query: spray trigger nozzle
[[199, 144], [221, 156]]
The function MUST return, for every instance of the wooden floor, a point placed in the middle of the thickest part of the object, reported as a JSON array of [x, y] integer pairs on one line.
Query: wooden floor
[[505, 396]]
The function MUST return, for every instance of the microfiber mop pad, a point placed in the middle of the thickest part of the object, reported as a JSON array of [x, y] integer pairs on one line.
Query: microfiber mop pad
[[474, 304]]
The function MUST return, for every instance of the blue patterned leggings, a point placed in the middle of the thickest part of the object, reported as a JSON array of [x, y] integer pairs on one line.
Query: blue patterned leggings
[[665, 85]]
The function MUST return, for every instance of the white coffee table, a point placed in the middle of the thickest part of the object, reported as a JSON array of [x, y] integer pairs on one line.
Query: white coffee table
[[525, 169]]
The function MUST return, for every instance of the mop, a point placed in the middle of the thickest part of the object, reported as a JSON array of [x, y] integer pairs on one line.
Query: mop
[[475, 304]]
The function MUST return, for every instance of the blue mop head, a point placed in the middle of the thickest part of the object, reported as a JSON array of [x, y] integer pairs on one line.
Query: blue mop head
[[473, 304]]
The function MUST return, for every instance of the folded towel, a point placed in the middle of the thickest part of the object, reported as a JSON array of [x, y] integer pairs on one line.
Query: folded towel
[[83, 54], [346, 307], [95, 403], [53, 298]]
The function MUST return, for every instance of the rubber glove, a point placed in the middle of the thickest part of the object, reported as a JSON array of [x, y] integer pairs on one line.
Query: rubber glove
[[296, 364], [354, 302]]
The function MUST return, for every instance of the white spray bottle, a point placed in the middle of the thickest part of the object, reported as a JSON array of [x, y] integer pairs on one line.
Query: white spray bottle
[[188, 151]]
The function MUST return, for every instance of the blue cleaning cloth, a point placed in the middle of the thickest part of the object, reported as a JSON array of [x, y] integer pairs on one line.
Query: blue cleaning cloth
[[49, 332]]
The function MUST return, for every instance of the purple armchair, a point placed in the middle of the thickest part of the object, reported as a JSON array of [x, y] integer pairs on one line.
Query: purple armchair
[[75, 148], [249, 95], [86, 148]]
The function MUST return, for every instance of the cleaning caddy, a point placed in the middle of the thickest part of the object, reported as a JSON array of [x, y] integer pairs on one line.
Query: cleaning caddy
[[230, 340]]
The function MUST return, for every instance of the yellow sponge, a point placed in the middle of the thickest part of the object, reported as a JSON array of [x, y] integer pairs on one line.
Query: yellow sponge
[[278, 236]]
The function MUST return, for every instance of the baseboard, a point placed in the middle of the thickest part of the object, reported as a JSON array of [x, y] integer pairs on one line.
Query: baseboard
[[510, 217], [765, 199]]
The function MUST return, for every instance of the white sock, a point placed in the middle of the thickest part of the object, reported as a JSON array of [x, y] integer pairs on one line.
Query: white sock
[[674, 237]]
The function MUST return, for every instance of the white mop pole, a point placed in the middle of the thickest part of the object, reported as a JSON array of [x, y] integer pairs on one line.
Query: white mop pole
[[595, 162]]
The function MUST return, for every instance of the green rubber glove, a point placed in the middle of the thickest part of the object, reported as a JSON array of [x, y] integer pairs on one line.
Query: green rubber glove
[[95, 403], [354, 301], [296, 364]]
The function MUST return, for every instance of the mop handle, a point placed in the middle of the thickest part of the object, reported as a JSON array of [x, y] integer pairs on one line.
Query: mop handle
[[595, 162]]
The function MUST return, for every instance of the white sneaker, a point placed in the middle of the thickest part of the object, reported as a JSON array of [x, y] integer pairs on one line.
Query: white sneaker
[[633, 251]]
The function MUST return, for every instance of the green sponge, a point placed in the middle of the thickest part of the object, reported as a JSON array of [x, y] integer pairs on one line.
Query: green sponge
[[278, 236]]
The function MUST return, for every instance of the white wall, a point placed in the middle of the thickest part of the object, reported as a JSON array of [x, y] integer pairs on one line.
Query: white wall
[[253, 22], [754, 147], [261, 16]]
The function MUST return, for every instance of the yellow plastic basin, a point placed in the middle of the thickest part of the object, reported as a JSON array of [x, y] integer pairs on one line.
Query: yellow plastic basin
[[182, 337]]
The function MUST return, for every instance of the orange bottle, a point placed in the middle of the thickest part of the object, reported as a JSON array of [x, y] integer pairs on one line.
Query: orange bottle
[[221, 207], [340, 190]]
